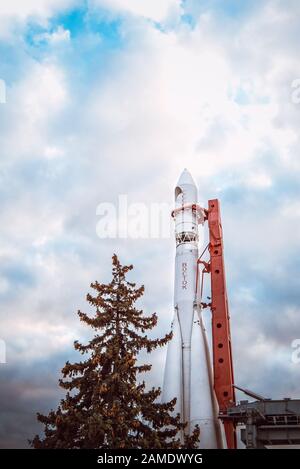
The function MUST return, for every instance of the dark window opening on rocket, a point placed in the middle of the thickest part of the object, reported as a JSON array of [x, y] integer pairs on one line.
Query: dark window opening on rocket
[[178, 191]]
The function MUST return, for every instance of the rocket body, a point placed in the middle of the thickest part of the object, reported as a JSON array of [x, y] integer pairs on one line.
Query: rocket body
[[188, 372]]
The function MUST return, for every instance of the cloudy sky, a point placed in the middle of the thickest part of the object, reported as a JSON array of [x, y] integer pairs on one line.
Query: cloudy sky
[[115, 97]]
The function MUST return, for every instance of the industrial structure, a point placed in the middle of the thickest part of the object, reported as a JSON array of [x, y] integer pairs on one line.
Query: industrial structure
[[206, 393], [266, 423]]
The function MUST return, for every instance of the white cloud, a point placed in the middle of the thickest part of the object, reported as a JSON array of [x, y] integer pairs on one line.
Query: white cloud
[[37, 8], [57, 36], [258, 180], [4, 285], [156, 10], [34, 103], [15, 13], [53, 152]]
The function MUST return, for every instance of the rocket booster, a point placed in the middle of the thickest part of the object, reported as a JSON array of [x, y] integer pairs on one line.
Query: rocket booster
[[188, 372]]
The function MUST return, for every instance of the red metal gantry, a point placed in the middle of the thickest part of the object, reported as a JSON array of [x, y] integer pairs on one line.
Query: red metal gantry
[[221, 339]]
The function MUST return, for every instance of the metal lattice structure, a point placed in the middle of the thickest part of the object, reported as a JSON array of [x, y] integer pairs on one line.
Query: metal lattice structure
[[267, 423], [221, 337]]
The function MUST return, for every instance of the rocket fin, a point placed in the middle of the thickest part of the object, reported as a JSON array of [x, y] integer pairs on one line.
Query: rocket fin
[[172, 386], [204, 408]]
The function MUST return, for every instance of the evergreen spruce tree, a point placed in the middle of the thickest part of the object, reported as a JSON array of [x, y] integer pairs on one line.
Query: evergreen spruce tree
[[106, 406]]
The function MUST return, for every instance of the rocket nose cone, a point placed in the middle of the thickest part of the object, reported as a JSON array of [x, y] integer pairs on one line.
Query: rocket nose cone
[[186, 189], [185, 178]]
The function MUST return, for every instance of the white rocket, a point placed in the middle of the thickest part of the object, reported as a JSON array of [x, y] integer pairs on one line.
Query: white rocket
[[188, 372]]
